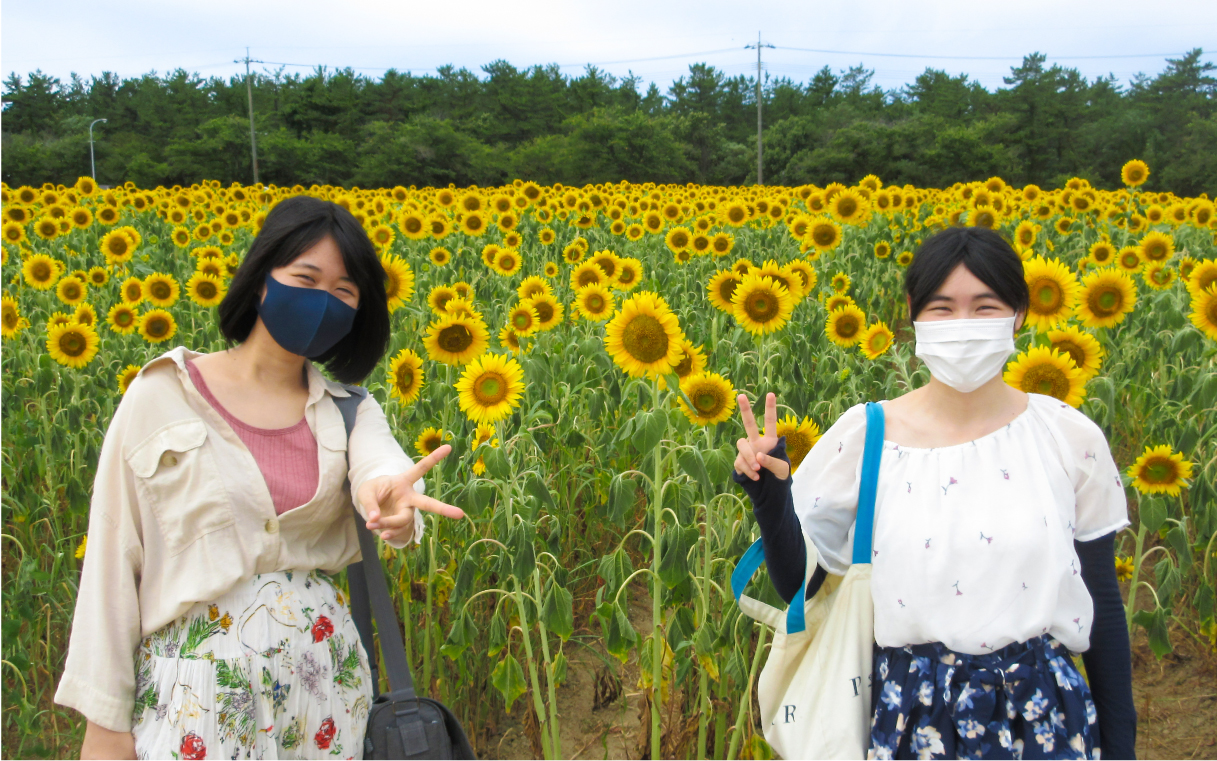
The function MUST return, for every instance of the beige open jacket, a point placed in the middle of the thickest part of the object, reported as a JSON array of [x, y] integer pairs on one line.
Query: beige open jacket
[[181, 513]]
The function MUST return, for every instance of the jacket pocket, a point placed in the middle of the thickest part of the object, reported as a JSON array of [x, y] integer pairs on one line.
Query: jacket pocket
[[178, 478]]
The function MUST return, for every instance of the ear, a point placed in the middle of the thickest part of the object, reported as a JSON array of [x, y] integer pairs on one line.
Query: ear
[[908, 304], [1019, 317]]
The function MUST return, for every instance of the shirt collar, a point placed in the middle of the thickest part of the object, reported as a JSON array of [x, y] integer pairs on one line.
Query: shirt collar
[[318, 384]]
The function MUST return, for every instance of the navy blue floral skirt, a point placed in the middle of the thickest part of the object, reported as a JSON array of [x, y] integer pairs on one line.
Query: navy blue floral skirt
[[1026, 700]]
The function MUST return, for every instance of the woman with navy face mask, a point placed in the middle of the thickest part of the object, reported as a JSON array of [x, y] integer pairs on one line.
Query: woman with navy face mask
[[993, 545], [207, 623]]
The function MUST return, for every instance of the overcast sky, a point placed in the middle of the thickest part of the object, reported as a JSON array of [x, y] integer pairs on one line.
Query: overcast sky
[[656, 40]]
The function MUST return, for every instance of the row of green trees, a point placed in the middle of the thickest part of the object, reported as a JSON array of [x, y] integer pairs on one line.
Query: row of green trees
[[338, 127]]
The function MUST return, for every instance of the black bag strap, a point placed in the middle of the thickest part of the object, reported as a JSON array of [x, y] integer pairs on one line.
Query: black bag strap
[[367, 584]]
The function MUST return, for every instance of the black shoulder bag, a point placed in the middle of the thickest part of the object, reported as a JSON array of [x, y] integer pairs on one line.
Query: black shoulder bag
[[401, 725]]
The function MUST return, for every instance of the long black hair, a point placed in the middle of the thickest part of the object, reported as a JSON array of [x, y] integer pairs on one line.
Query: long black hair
[[986, 255], [292, 227]]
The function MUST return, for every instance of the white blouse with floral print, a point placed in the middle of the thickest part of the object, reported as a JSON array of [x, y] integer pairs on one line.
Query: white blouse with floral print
[[973, 543]]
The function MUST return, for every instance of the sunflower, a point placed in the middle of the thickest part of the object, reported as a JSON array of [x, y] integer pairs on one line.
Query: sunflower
[[824, 234], [587, 273], [845, 325], [81, 217], [700, 244], [205, 290], [782, 276], [634, 232], [1203, 275], [13, 232], [840, 283], [849, 207], [59, 318], [1107, 295], [40, 271], [533, 285], [161, 290], [836, 301], [876, 340], [399, 281], [551, 269], [125, 376], [490, 388], [629, 273], [546, 236], [1024, 234], [1129, 259], [735, 214], [459, 306], [99, 276], [523, 320], [1102, 252], [47, 228], [1134, 173], [117, 247], [439, 226], [1053, 289], [507, 262], [123, 318], [86, 315], [508, 339], [1044, 370], [1160, 470], [1124, 568], [473, 224], [11, 320], [985, 216], [692, 360], [801, 436], [549, 311], [1158, 276], [439, 256], [573, 253], [712, 396], [1157, 247], [678, 239], [429, 440], [72, 345], [1204, 311], [456, 339], [413, 225], [157, 325], [71, 290], [382, 235], [1082, 347], [1186, 266], [181, 237], [805, 273], [722, 244], [644, 337], [405, 376], [440, 296], [108, 215], [761, 305], [883, 249], [132, 290], [594, 302]]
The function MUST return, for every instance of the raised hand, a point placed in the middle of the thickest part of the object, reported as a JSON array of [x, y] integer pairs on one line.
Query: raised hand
[[754, 450], [390, 501]]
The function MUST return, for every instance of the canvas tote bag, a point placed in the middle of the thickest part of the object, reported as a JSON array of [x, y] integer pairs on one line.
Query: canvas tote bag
[[814, 691]]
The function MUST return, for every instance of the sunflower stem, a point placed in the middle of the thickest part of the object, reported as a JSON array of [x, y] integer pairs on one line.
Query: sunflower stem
[[746, 704], [1136, 572], [656, 587]]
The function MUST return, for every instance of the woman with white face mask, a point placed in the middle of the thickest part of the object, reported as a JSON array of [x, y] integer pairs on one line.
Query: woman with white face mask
[[994, 526]]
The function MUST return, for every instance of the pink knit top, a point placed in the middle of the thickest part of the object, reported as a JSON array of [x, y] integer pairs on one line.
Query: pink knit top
[[287, 457]]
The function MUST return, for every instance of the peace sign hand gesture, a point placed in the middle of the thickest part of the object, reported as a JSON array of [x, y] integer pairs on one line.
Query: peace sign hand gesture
[[390, 501], [753, 451]]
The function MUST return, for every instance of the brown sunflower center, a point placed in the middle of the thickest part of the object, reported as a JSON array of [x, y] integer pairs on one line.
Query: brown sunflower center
[[594, 303], [206, 290], [685, 366], [644, 339], [455, 339], [761, 306], [157, 327], [1046, 379], [521, 320], [824, 235], [878, 342], [545, 311], [11, 319], [133, 292], [1048, 296], [1160, 471], [160, 290], [1105, 302], [798, 444], [708, 402], [73, 343], [71, 291], [847, 206], [1077, 353], [124, 317], [41, 272], [490, 388], [404, 378], [847, 326], [431, 443]]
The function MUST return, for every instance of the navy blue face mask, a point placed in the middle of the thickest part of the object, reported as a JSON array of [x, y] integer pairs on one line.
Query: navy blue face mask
[[305, 321]]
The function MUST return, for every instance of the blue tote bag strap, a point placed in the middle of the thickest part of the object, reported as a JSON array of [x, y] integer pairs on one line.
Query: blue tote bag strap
[[872, 452], [755, 555]]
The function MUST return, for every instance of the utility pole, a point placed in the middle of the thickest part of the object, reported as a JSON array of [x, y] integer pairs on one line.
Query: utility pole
[[249, 90], [92, 165], [760, 177]]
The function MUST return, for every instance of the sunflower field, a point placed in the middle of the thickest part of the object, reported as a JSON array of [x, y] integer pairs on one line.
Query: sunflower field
[[581, 349]]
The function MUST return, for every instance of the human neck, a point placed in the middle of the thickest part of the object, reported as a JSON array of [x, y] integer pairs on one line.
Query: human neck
[[260, 360], [957, 409]]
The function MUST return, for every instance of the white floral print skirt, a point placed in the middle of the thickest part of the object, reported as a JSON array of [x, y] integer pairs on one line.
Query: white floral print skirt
[[274, 668]]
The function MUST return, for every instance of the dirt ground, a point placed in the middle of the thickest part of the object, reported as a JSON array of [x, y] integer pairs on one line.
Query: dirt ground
[[1176, 701]]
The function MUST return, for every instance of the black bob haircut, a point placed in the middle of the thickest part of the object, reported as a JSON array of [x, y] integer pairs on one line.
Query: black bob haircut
[[986, 255], [292, 227]]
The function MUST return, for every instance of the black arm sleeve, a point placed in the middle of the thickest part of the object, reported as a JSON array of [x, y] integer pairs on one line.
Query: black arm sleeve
[[781, 533], [1109, 659]]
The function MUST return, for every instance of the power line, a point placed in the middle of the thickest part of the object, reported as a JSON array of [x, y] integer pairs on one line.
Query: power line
[[977, 57]]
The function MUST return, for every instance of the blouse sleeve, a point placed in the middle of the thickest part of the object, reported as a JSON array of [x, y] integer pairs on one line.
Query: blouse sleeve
[[825, 489], [373, 452], [99, 673], [1101, 505]]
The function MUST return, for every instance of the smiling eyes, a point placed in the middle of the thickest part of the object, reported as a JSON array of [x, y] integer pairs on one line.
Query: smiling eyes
[[309, 279]]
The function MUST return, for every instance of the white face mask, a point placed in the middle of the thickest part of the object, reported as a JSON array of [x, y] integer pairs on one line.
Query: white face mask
[[965, 354]]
